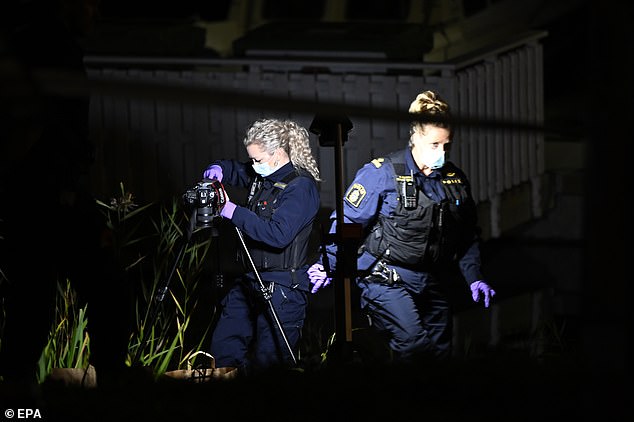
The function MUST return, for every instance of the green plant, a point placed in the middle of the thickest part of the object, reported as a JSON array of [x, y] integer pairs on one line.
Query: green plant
[[126, 221], [68, 345], [144, 240], [159, 339], [366, 347]]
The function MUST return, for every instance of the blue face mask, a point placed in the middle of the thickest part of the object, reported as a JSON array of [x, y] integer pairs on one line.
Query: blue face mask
[[434, 159], [263, 169], [440, 161]]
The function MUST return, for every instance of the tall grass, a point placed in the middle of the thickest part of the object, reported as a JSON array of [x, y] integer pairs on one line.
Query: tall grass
[[145, 241], [68, 344], [162, 322], [148, 242]]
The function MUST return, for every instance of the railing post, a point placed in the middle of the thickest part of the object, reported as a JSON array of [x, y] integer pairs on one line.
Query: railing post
[[333, 132]]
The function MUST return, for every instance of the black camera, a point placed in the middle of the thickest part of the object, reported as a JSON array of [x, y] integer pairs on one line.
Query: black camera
[[208, 197]]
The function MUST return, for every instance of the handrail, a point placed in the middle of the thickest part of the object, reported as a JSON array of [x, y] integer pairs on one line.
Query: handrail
[[495, 49], [98, 60]]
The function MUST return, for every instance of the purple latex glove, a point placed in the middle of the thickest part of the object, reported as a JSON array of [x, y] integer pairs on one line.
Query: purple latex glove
[[318, 277], [213, 172], [479, 288], [228, 209]]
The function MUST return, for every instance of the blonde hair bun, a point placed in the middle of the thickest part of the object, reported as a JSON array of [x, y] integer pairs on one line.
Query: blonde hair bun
[[428, 102]]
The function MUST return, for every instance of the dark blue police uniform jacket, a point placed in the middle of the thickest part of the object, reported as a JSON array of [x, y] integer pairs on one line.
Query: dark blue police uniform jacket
[[373, 191], [415, 325], [245, 335], [298, 207]]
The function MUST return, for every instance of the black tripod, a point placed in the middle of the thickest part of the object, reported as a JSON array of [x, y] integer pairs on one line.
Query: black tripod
[[162, 290], [205, 221]]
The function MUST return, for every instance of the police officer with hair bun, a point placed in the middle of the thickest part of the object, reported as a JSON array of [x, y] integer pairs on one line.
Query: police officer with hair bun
[[276, 223], [420, 220]]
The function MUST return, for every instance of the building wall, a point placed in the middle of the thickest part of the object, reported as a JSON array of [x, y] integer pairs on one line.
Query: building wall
[[158, 125]]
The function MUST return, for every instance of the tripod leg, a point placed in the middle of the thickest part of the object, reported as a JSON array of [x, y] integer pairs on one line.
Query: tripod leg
[[164, 288], [267, 296]]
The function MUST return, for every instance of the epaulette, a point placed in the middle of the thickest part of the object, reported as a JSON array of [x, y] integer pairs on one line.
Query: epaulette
[[286, 179], [378, 162]]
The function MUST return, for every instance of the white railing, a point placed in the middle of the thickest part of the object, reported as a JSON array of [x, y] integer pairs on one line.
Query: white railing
[[158, 144]]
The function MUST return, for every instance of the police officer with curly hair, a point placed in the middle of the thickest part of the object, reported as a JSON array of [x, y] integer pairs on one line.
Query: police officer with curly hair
[[276, 223], [420, 220]]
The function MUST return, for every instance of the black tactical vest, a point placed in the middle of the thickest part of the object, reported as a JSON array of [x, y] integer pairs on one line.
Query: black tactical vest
[[426, 232], [262, 200]]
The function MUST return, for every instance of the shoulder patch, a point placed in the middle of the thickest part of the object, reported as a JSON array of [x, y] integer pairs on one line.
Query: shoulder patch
[[355, 194], [378, 162]]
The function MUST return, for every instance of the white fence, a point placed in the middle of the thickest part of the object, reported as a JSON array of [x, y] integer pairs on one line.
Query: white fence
[[158, 145]]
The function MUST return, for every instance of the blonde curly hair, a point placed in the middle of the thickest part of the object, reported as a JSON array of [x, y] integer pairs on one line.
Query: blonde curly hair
[[272, 134]]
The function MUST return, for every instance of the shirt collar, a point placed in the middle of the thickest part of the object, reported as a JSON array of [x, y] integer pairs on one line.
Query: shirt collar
[[280, 173], [411, 165], [409, 161]]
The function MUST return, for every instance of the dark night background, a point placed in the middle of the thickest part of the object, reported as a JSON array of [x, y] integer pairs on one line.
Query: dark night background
[[588, 103]]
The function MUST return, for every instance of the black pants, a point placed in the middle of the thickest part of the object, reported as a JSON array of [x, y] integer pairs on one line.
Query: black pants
[[246, 335], [413, 315]]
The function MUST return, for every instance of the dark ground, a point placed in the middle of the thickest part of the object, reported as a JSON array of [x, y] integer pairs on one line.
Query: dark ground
[[496, 388]]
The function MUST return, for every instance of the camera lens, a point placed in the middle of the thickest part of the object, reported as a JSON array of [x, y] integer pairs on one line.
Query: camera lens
[[204, 217]]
